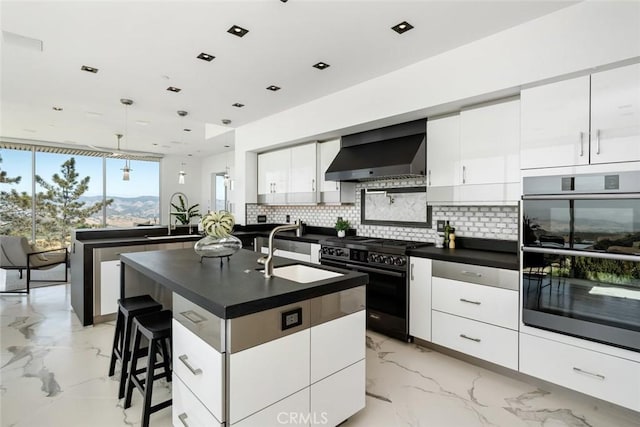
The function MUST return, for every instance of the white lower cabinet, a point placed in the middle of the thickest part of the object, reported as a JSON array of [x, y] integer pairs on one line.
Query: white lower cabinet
[[187, 410], [292, 411], [263, 375], [109, 286], [478, 302], [337, 397], [607, 377], [420, 298], [484, 341], [200, 367], [337, 344]]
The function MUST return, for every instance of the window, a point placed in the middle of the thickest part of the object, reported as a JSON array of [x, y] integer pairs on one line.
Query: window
[[70, 192], [219, 192], [137, 201]]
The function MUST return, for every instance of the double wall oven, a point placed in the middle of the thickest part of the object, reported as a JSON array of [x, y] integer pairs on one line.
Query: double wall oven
[[385, 261], [581, 256]]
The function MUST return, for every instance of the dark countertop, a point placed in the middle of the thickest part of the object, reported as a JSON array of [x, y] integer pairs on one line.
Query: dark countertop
[[139, 240], [506, 260], [236, 288]]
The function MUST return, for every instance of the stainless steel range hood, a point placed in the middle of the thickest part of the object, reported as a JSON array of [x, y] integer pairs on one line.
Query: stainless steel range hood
[[393, 151]]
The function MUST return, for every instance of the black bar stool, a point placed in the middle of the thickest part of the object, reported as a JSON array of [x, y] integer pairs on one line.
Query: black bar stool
[[128, 309], [156, 328]]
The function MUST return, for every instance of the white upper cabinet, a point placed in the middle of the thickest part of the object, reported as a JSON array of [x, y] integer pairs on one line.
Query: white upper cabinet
[[490, 144], [288, 175], [589, 119], [443, 152], [615, 115], [303, 177], [474, 157], [555, 124]]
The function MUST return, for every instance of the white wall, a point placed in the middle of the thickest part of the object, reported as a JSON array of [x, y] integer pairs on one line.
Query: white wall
[[574, 39], [169, 168], [213, 165]]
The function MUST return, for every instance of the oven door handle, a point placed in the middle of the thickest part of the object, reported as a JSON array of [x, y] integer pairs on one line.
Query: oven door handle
[[376, 270], [570, 252], [572, 196]]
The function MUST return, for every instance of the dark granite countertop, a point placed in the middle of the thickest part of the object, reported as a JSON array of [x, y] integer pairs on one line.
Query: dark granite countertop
[[236, 288], [139, 240], [478, 252]]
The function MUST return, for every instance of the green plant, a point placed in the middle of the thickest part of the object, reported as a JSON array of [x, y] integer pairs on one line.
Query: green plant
[[342, 224], [190, 212]]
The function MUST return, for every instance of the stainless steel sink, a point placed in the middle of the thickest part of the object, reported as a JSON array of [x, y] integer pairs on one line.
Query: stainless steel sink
[[303, 273]]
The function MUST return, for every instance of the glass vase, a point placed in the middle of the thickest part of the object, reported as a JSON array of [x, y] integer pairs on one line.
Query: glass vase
[[212, 247]]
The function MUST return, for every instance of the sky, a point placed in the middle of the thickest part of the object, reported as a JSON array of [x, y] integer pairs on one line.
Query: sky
[[144, 181]]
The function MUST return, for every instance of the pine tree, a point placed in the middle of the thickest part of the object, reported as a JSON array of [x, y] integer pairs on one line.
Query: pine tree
[[59, 208], [15, 208]]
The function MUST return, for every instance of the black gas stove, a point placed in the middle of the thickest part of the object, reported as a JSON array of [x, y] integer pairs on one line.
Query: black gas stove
[[386, 263]]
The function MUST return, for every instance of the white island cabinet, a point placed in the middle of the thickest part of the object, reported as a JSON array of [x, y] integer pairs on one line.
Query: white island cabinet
[[253, 370]]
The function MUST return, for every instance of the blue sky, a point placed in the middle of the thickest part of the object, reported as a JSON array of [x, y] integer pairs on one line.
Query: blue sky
[[145, 176]]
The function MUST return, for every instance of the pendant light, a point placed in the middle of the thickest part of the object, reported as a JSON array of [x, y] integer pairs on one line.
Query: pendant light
[[181, 174], [227, 177], [126, 170]]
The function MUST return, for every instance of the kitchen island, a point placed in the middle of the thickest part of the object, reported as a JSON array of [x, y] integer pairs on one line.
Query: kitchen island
[[254, 351]]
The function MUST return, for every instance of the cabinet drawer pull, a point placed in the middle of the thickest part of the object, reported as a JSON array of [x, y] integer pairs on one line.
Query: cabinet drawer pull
[[581, 144], [471, 273], [469, 338], [183, 419], [374, 316], [192, 317], [337, 188], [196, 371], [412, 267], [313, 185], [581, 371], [429, 178], [464, 174], [470, 302]]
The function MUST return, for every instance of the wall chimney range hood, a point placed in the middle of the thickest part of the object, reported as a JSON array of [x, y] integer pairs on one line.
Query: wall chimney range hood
[[389, 152]]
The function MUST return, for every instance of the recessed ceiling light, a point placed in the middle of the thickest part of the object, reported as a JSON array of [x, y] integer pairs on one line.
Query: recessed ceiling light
[[226, 121], [273, 88], [189, 155], [174, 89], [237, 31], [321, 65], [206, 57], [238, 105], [402, 27], [89, 69], [227, 146], [57, 108], [186, 130], [154, 144], [142, 122]]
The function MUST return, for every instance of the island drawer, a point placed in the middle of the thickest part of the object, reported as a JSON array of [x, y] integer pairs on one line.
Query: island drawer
[[200, 321], [187, 409], [478, 302], [200, 367], [493, 343]]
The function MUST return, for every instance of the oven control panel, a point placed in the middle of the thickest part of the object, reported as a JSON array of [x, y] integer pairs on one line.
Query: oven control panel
[[379, 258]]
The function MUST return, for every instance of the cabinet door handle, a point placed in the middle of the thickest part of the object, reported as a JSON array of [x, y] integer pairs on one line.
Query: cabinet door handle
[[411, 268], [183, 419], [429, 178], [464, 174], [192, 317], [313, 185], [471, 273], [597, 141], [374, 316], [194, 371], [337, 188], [469, 338], [470, 302], [581, 371], [581, 144]]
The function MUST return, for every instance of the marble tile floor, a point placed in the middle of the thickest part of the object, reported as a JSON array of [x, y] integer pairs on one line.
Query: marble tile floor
[[53, 373]]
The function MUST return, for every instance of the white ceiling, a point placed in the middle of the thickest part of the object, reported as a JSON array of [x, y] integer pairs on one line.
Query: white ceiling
[[141, 48]]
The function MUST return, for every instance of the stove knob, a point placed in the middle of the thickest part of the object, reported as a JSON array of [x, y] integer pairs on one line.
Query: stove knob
[[374, 258], [331, 251], [400, 261], [339, 252], [388, 260]]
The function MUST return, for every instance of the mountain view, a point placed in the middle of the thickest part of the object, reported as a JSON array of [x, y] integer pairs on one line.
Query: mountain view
[[126, 211]]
